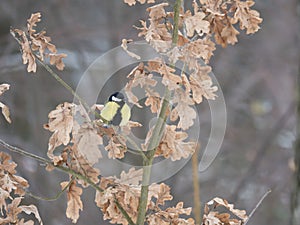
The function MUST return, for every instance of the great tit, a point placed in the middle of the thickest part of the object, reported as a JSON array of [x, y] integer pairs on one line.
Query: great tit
[[116, 111]]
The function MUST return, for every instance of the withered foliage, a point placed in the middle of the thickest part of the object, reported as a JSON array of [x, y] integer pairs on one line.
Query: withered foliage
[[126, 190], [36, 45], [213, 217], [4, 108], [77, 135], [12, 191]]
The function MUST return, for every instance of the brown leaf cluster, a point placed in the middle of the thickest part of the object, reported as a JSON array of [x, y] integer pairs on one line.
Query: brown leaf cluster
[[133, 2], [12, 190], [36, 45], [171, 215], [126, 191], [213, 217], [173, 144], [4, 108]]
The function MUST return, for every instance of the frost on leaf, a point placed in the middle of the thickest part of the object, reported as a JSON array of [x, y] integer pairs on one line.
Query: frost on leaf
[[214, 217], [4, 108], [173, 145], [61, 124], [74, 202]]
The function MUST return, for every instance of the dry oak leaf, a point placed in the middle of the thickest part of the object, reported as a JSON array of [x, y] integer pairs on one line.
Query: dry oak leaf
[[201, 48], [61, 123], [183, 109], [56, 59], [32, 21], [249, 19], [116, 150], [31, 209], [139, 77], [14, 209], [153, 100], [27, 55], [218, 24], [157, 34], [79, 164], [157, 12], [196, 23], [40, 42], [229, 34], [125, 47], [5, 109], [219, 201], [132, 2], [74, 202], [8, 178], [170, 79], [173, 146], [87, 140], [175, 54], [171, 216], [126, 195], [161, 192], [201, 84], [132, 177]]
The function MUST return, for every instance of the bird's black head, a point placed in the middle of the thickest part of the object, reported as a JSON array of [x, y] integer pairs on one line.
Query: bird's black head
[[116, 97]]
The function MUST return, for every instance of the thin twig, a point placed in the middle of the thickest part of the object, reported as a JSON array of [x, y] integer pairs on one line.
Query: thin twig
[[196, 185], [23, 152], [63, 83], [257, 205], [57, 196], [125, 214]]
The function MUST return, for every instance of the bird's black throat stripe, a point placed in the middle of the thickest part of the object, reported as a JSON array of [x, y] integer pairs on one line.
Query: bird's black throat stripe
[[118, 117]]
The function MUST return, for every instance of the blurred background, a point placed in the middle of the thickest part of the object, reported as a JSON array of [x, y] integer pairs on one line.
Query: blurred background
[[257, 76]]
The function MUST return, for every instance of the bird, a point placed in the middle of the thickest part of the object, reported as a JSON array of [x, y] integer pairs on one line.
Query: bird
[[116, 111]]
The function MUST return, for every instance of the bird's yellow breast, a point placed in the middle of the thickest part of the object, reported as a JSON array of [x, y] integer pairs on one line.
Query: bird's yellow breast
[[109, 111], [125, 113]]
